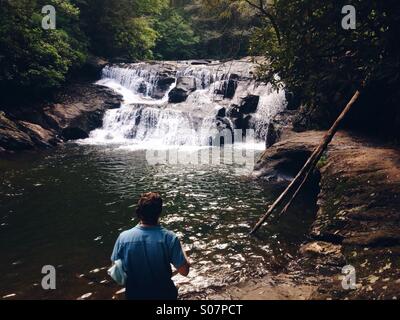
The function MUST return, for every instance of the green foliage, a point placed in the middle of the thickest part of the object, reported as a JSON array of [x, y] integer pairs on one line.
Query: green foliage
[[176, 39], [121, 28], [224, 27], [33, 58], [320, 60], [38, 60]]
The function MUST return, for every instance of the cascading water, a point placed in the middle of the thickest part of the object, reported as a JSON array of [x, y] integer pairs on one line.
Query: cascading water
[[147, 118]]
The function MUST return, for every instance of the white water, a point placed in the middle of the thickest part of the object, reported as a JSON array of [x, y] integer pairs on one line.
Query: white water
[[145, 122]]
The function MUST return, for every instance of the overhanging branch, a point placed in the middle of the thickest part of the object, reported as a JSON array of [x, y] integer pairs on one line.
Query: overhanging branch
[[261, 8]]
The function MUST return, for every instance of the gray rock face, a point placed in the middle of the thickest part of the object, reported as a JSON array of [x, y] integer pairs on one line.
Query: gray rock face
[[184, 86]]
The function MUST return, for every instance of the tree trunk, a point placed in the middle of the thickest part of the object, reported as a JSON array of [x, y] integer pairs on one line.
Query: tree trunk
[[303, 174]]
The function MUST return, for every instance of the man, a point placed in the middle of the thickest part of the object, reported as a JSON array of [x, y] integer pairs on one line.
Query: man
[[147, 252]]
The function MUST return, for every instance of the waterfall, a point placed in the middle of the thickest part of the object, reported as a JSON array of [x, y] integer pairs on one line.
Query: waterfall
[[134, 79], [146, 117]]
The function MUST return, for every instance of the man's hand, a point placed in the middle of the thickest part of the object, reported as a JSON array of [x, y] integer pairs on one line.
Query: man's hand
[[184, 269]]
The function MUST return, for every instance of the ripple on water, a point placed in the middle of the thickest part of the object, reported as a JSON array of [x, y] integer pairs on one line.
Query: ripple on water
[[75, 215]]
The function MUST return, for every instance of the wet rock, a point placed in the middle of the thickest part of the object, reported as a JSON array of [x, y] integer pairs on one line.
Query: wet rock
[[241, 114], [82, 111], [243, 122], [223, 125], [379, 238], [200, 62], [249, 104], [40, 136], [74, 133], [221, 112], [184, 86], [234, 112], [228, 87], [163, 84], [11, 137], [272, 135], [76, 110], [283, 160]]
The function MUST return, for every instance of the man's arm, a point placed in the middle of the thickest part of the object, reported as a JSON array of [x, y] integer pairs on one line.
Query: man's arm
[[185, 268], [179, 258]]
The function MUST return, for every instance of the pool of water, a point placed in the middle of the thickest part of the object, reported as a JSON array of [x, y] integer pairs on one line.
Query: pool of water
[[66, 207]]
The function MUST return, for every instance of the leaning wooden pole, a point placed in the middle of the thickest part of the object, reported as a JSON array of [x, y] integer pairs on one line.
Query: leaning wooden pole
[[309, 165]]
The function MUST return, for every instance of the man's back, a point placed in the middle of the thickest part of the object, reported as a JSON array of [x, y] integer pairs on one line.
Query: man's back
[[147, 254]]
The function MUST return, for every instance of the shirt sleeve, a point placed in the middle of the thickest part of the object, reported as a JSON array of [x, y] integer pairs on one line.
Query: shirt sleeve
[[177, 256], [116, 254]]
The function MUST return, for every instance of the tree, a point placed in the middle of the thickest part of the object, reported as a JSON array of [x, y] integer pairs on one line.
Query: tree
[[121, 28], [224, 27], [176, 39], [34, 59], [324, 63]]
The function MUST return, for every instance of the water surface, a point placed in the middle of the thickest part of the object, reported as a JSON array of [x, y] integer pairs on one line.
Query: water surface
[[66, 207]]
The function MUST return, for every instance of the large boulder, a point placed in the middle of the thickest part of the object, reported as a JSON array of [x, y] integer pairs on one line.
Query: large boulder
[[81, 111], [221, 112], [184, 86]]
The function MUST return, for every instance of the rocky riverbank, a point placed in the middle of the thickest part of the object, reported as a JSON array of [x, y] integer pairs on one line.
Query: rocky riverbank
[[72, 114], [357, 223]]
